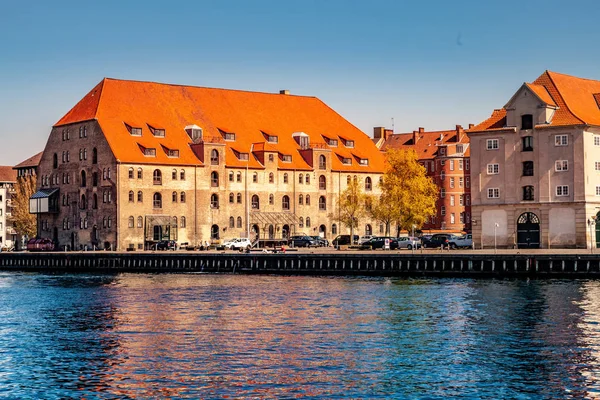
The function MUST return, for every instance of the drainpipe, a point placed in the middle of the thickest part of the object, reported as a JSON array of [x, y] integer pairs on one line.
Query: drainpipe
[[118, 225]]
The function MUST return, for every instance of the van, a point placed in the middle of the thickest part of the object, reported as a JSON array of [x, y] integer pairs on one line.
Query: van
[[342, 240]]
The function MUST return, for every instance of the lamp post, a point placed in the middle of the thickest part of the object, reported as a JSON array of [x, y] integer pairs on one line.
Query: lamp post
[[247, 203], [496, 225], [591, 223]]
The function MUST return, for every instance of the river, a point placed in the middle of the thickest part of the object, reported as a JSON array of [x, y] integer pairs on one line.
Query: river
[[229, 336]]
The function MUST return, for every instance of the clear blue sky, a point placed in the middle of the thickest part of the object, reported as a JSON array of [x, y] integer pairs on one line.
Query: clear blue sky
[[424, 63]]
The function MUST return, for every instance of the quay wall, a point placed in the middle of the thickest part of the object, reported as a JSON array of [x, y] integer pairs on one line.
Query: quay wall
[[380, 264]]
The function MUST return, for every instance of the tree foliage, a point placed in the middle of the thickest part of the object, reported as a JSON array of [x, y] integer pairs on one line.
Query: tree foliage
[[411, 195], [351, 206], [23, 221], [383, 210]]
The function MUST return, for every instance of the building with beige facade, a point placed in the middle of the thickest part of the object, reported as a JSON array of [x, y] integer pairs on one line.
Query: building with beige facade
[[137, 162], [8, 235], [535, 167]]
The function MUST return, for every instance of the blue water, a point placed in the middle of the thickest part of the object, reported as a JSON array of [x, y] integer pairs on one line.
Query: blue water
[[223, 336]]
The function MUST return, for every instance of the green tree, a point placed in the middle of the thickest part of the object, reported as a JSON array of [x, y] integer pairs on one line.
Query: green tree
[[24, 222], [351, 207], [406, 186]]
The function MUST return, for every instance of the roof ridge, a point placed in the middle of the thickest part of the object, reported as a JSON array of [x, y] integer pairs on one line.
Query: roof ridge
[[570, 76], [560, 94]]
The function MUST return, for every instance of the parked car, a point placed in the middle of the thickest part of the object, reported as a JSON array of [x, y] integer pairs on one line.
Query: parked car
[[365, 239], [237, 244], [439, 239], [165, 245], [465, 241], [342, 240], [321, 242], [42, 244], [378, 242], [409, 242], [302, 241]]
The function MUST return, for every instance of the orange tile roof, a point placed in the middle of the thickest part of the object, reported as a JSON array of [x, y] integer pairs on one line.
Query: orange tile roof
[[427, 142], [33, 161], [576, 99], [7, 174], [115, 102]]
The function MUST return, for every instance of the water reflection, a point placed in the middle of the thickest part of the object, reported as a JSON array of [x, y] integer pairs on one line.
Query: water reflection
[[206, 336]]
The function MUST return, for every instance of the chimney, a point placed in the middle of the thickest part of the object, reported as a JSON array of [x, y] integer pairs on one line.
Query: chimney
[[379, 132], [421, 130], [459, 133], [284, 91], [415, 137], [471, 126]]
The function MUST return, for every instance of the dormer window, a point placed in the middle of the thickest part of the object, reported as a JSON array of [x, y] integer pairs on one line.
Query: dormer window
[[229, 136], [243, 156], [442, 151], [194, 132], [302, 139], [459, 148], [157, 132], [150, 152], [333, 142], [173, 153], [526, 121], [364, 161], [133, 131], [272, 139], [347, 161], [286, 158], [348, 143]]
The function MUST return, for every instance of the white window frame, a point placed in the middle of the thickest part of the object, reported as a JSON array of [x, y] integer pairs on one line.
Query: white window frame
[[596, 140], [492, 144], [460, 165], [562, 190], [451, 165], [493, 169], [597, 165], [561, 165], [561, 140], [451, 199], [493, 193]]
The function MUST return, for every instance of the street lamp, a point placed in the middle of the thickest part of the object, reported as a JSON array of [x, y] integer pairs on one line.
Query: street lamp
[[591, 223], [496, 225], [247, 204]]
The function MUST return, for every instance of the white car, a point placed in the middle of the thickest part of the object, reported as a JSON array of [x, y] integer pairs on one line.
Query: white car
[[409, 242], [238, 243], [365, 239]]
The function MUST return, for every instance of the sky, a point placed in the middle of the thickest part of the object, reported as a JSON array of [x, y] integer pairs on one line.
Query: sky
[[398, 64]]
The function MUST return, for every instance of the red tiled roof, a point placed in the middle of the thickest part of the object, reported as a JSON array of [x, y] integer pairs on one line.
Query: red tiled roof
[[427, 142], [542, 93], [496, 121], [7, 174], [33, 161], [247, 114]]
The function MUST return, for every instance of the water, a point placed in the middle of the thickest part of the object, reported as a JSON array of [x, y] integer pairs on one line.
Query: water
[[223, 336]]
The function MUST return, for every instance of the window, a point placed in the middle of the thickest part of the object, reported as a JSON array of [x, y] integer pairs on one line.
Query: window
[[442, 193], [451, 165], [468, 200], [150, 152], [527, 143], [230, 137], [460, 165], [528, 168], [461, 218], [255, 177], [467, 164], [300, 199], [231, 222], [134, 131], [493, 169], [597, 190], [140, 197], [95, 201], [286, 158], [307, 222], [562, 190], [157, 177], [334, 229], [174, 197], [492, 144], [239, 198], [346, 161], [55, 160], [285, 178], [271, 177], [301, 222], [596, 140], [243, 156], [528, 193], [307, 179], [300, 179], [255, 202], [368, 184], [139, 173], [83, 179], [271, 158], [442, 151], [363, 161], [452, 219], [94, 179], [349, 143], [461, 200], [131, 196], [452, 182], [140, 222], [214, 179], [130, 173], [451, 199], [285, 203], [322, 162], [527, 121], [322, 203], [307, 200], [271, 199], [467, 182], [442, 211], [214, 200], [214, 157], [231, 198], [461, 182], [459, 149], [272, 139], [157, 200], [561, 165], [442, 175], [239, 222], [94, 156], [182, 197], [597, 165], [493, 193], [561, 140], [238, 177], [348, 180], [131, 222], [322, 182]]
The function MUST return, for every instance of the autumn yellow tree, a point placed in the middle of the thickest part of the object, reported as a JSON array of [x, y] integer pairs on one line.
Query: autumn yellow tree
[[23, 221], [383, 210], [410, 193], [351, 206]]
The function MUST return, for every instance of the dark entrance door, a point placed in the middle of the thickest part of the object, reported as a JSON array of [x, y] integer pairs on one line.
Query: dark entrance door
[[528, 231]]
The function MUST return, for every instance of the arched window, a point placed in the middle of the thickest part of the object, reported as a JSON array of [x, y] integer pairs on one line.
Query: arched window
[[255, 202], [300, 199], [334, 229], [214, 179], [348, 180], [322, 182], [355, 179], [307, 179], [214, 200], [107, 171], [239, 177], [322, 162], [239, 198], [182, 197], [307, 222], [285, 178], [182, 175], [301, 222], [130, 222], [255, 177], [94, 156], [131, 196], [109, 222], [85, 154], [103, 173], [174, 197], [300, 179], [94, 179], [285, 203], [175, 222], [140, 196], [174, 174], [95, 201], [139, 174], [214, 157], [368, 184], [322, 203], [239, 222], [140, 222], [103, 222], [307, 202], [157, 200], [130, 173], [231, 198], [231, 222], [214, 232], [230, 176], [182, 222], [55, 161], [271, 232], [271, 199], [271, 177], [83, 179], [157, 177], [83, 204], [368, 230]]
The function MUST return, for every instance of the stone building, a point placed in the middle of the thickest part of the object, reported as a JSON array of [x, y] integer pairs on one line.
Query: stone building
[[137, 162], [8, 177], [445, 156], [535, 166], [28, 167]]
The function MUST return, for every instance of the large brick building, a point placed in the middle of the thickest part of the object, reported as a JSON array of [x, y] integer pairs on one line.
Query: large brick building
[[445, 156], [136, 162]]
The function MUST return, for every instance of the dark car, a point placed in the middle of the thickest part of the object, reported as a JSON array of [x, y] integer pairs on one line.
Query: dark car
[[165, 245], [302, 241], [321, 242], [438, 240], [378, 242], [40, 244], [342, 240]]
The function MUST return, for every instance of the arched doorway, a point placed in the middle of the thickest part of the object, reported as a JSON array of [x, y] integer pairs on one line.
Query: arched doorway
[[323, 231], [157, 232], [285, 232], [254, 232], [528, 231], [214, 232], [271, 232]]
